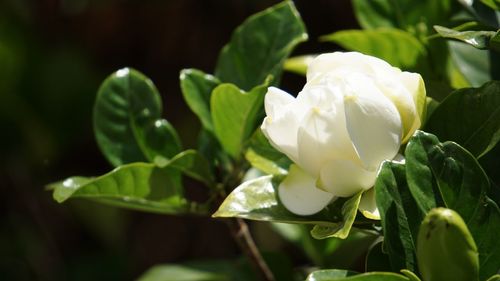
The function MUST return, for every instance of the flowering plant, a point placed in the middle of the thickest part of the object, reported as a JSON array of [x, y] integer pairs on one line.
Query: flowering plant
[[417, 159]]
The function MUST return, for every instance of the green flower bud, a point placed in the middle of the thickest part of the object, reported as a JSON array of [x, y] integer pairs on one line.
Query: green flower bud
[[446, 249]]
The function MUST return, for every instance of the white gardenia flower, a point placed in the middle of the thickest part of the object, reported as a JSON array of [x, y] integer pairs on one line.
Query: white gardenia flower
[[354, 112]]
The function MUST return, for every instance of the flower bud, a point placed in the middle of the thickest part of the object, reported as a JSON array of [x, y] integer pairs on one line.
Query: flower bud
[[446, 249]]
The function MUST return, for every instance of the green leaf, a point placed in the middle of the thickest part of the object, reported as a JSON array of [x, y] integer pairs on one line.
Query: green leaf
[[399, 214], [260, 45], [397, 47], [349, 211], [376, 259], [139, 186], [341, 275], [403, 14], [470, 117], [236, 114], [127, 122], [197, 88], [495, 277], [477, 66], [298, 64], [463, 187], [192, 164], [477, 39], [257, 199], [263, 156]]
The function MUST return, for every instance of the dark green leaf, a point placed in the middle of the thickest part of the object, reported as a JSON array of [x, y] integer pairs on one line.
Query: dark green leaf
[[403, 14], [477, 39], [257, 200], [397, 47], [399, 214], [127, 122], [196, 88], [495, 277], [236, 114], [260, 45], [341, 275], [465, 188], [139, 186], [470, 117], [376, 259], [192, 164]]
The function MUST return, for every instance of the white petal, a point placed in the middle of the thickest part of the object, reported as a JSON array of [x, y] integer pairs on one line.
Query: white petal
[[299, 194], [374, 126], [322, 136], [368, 205], [416, 87], [275, 101], [344, 178], [282, 133]]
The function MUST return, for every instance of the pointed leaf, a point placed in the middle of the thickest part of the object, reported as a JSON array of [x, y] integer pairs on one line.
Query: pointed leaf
[[192, 164], [258, 200], [127, 120], [197, 88], [477, 39], [236, 114], [399, 214], [260, 45], [139, 186], [470, 117]]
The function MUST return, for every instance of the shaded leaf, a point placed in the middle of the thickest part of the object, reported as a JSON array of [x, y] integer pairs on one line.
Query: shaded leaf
[[236, 114], [139, 186], [127, 122], [341, 275], [260, 45], [465, 188], [397, 47], [470, 117], [197, 88], [400, 216], [192, 164]]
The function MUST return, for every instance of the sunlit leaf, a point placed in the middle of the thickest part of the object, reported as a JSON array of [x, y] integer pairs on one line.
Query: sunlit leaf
[[477, 39], [397, 47], [341, 275], [127, 120], [260, 45]]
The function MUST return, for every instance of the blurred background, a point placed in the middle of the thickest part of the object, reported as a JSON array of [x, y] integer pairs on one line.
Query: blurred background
[[53, 56]]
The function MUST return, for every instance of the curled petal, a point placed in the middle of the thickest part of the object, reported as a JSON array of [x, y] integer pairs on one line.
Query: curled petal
[[275, 102], [368, 205], [299, 194], [416, 87], [374, 126], [344, 178]]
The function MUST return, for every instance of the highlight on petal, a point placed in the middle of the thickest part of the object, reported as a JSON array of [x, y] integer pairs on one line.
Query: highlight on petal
[[344, 178], [368, 205], [374, 126], [416, 87], [298, 193], [275, 101]]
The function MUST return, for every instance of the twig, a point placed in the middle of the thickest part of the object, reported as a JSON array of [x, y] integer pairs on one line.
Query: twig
[[240, 232]]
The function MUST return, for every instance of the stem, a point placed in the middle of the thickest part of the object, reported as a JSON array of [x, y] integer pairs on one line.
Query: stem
[[240, 232]]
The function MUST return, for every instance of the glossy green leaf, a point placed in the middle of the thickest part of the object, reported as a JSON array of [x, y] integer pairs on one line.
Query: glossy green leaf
[[298, 64], [263, 164], [197, 88], [477, 39], [236, 114], [349, 211], [257, 199], [399, 214], [470, 117], [260, 45], [127, 120], [403, 14], [465, 188], [411, 276], [341, 275], [397, 47], [139, 186], [192, 164]]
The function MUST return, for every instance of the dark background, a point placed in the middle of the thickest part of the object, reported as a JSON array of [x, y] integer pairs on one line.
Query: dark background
[[53, 56]]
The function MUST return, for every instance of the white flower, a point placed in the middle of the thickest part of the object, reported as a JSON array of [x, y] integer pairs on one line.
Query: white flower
[[354, 112]]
